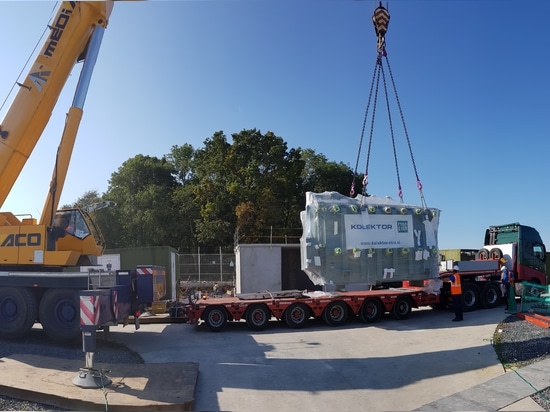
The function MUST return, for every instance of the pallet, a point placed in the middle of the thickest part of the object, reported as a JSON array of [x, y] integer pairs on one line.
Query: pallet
[[536, 319]]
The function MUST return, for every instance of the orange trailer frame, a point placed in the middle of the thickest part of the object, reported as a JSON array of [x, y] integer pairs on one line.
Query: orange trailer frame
[[297, 307]]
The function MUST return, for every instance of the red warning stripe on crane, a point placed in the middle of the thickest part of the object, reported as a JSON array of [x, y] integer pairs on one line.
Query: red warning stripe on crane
[[89, 310]]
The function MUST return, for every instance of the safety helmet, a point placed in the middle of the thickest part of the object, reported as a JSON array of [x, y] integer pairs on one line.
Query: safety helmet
[[455, 267]]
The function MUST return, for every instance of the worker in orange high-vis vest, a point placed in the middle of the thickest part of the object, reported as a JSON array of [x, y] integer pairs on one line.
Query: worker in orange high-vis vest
[[456, 293]]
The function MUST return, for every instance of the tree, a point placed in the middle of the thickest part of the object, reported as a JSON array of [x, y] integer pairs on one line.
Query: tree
[[181, 158], [266, 182], [186, 208], [142, 188], [205, 197], [216, 220], [88, 198], [320, 175], [246, 187]]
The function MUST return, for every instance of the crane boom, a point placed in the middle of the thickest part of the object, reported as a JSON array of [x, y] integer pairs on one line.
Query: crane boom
[[66, 237], [27, 117]]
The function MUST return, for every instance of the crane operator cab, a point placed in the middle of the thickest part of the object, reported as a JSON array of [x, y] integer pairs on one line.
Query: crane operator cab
[[73, 239], [74, 230]]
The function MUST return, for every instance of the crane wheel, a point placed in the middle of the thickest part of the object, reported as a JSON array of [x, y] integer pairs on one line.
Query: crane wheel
[[17, 311], [59, 314]]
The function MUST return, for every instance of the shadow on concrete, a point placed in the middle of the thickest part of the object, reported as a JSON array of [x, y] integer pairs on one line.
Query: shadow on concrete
[[284, 359]]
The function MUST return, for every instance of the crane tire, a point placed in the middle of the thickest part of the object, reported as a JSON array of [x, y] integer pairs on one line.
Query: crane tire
[[59, 314], [17, 311]]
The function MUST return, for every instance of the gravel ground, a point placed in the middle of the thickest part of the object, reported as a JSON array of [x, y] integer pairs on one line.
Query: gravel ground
[[517, 343]]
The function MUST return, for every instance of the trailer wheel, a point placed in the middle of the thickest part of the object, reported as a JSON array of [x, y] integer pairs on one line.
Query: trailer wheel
[[257, 316], [470, 297], [297, 315], [215, 318], [495, 253], [371, 311], [490, 295], [482, 254], [336, 313], [59, 314], [17, 312], [402, 308]]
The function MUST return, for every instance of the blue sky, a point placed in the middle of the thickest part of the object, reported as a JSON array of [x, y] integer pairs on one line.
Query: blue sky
[[472, 78]]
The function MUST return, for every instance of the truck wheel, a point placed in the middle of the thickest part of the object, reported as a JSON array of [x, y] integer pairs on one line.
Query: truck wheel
[[17, 312], [495, 253], [402, 308], [490, 295], [482, 254], [336, 313], [59, 314], [470, 297], [297, 315], [371, 311], [215, 318], [257, 316]]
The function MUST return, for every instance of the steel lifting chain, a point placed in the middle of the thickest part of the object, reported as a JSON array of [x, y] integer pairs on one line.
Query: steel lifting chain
[[381, 20]]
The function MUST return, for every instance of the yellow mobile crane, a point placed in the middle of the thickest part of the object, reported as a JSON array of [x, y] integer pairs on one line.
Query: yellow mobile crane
[[33, 286]]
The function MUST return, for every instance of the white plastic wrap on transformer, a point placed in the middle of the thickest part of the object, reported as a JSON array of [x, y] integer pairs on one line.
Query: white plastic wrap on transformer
[[367, 240]]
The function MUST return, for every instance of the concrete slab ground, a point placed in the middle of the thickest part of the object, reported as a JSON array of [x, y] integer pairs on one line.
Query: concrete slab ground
[[136, 387], [387, 366], [425, 362], [508, 392]]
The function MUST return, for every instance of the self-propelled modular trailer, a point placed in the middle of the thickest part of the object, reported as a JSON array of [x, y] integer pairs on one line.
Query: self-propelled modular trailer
[[516, 246], [296, 307]]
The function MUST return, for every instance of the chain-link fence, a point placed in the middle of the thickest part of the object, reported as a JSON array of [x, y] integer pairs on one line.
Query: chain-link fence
[[214, 272], [211, 273]]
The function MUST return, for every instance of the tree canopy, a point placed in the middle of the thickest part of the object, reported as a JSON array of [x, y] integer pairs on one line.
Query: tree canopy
[[214, 196]]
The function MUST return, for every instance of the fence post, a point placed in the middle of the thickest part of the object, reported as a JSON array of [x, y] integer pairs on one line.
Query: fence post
[[221, 266]]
